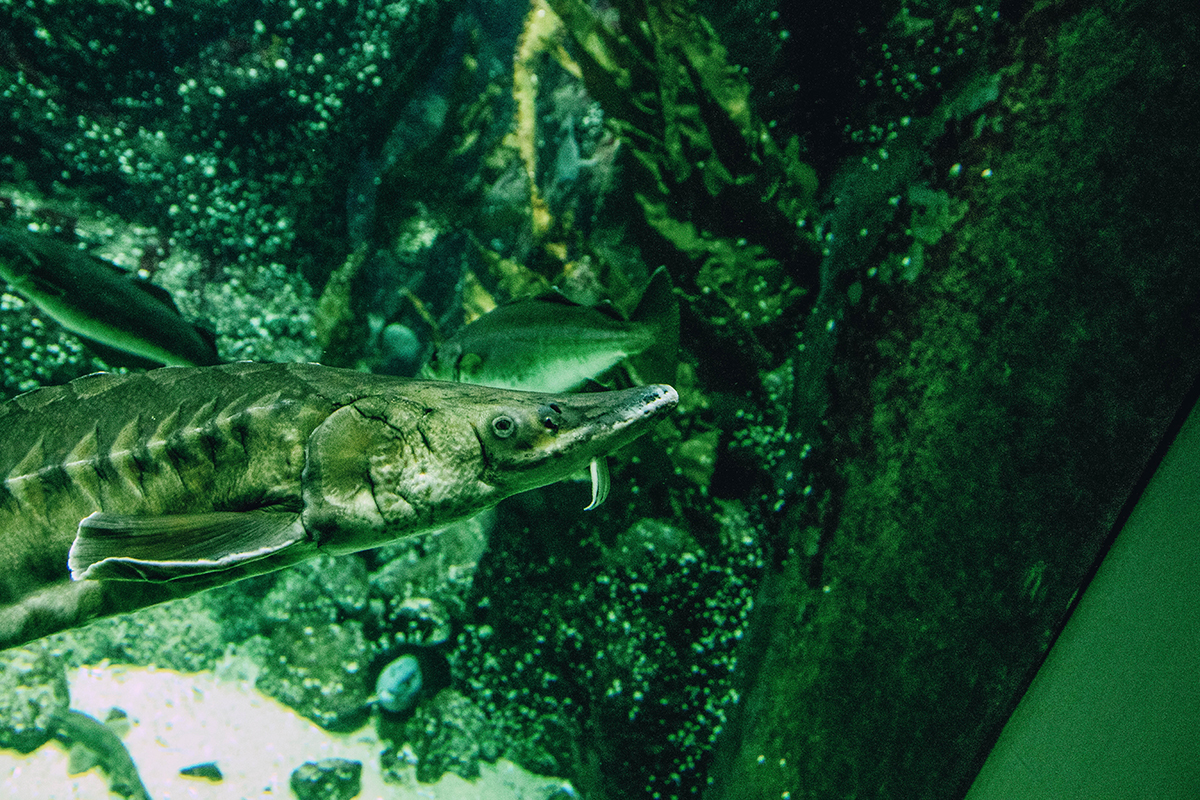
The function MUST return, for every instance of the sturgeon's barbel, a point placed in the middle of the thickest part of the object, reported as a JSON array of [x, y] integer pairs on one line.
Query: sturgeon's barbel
[[122, 491]]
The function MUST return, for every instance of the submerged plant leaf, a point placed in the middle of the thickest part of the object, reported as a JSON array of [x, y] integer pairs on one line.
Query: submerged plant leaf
[[713, 181]]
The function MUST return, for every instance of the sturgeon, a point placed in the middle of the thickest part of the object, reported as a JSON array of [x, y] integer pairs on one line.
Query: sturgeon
[[123, 491]]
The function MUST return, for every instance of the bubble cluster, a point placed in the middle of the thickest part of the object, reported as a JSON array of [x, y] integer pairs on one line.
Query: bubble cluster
[[35, 353], [228, 129], [636, 656]]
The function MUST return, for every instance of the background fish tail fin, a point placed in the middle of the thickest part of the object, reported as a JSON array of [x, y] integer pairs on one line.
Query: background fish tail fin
[[658, 309]]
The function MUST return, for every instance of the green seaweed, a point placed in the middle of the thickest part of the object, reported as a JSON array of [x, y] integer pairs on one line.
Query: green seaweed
[[704, 157]]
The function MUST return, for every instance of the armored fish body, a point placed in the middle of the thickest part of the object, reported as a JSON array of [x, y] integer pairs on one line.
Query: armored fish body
[[122, 491]]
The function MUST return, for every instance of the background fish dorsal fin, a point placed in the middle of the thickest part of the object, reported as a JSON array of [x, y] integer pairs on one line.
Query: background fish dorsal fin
[[605, 307], [170, 546], [117, 721]]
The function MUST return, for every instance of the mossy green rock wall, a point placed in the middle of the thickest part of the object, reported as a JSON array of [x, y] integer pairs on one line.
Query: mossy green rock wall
[[989, 420]]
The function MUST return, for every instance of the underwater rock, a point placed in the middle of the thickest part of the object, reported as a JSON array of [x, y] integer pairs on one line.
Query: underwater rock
[[434, 569], [33, 687], [451, 735], [205, 160], [695, 458], [649, 543], [399, 684], [646, 643], [185, 635], [325, 589], [427, 567], [327, 779], [156, 112], [419, 621], [209, 771], [316, 669]]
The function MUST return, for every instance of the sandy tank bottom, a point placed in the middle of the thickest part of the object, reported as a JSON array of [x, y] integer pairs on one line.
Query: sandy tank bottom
[[180, 720]]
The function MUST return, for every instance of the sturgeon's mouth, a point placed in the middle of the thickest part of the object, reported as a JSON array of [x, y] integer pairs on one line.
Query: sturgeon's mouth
[[658, 399]]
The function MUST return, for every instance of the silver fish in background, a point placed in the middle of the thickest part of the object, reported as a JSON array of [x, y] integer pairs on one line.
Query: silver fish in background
[[101, 302], [550, 344], [94, 743], [122, 491]]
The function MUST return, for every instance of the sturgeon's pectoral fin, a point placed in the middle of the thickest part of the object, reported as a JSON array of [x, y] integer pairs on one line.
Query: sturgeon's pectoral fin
[[162, 548], [600, 481]]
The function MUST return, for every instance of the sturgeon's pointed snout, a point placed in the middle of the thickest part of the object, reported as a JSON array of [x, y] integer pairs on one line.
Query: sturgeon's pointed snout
[[655, 398], [609, 420], [644, 405], [625, 406]]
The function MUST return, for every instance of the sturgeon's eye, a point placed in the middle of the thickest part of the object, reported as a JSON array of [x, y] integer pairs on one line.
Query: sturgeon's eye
[[504, 426]]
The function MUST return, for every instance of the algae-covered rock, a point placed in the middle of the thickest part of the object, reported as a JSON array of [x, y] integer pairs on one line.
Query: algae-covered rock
[[649, 543], [451, 734], [327, 779], [33, 686], [184, 635], [319, 671], [325, 589]]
